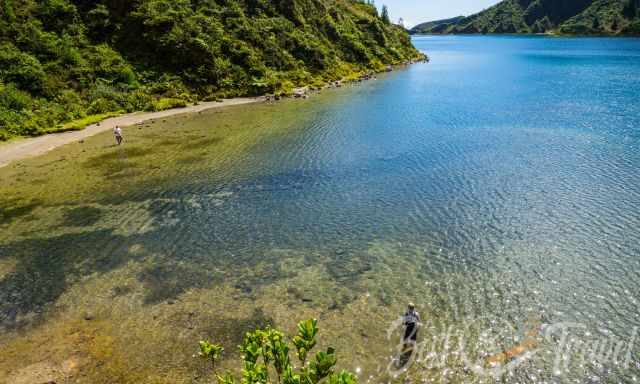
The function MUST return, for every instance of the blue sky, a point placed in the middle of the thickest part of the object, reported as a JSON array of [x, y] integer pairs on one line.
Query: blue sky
[[418, 11]]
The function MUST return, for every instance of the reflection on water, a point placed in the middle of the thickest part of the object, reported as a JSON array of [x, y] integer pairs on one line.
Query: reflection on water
[[496, 187]]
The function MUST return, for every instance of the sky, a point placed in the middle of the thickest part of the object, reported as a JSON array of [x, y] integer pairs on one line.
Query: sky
[[417, 11]]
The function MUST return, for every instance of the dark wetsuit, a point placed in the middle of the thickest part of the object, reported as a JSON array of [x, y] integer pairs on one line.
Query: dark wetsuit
[[410, 321]]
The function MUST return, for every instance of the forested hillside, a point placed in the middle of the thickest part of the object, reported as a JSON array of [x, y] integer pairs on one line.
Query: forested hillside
[[584, 17], [436, 26], [64, 60]]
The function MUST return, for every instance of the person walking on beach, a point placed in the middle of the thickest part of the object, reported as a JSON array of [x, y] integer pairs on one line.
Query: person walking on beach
[[117, 132], [410, 320]]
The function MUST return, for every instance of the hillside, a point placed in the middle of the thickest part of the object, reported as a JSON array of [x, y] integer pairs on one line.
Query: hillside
[[436, 26], [64, 60], [584, 17]]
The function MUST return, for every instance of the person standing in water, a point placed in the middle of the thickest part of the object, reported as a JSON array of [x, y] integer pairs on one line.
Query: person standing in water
[[410, 320], [117, 132]]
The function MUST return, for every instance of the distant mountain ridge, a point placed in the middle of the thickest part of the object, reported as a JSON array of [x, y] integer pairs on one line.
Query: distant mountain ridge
[[572, 17], [436, 26]]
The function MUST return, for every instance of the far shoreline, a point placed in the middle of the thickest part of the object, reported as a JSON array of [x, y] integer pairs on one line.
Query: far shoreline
[[546, 34], [26, 147]]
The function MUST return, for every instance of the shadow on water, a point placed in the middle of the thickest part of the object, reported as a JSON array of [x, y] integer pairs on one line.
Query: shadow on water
[[12, 209], [228, 331], [344, 267], [112, 163], [203, 142], [168, 281], [192, 142], [115, 156], [121, 290], [47, 267], [82, 216]]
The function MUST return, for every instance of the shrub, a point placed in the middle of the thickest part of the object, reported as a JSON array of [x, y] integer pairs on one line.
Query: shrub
[[102, 106], [167, 103], [138, 100], [58, 14], [82, 123], [69, 102], [267, 347], [109, 65], [14, 99], [20, 68], [633, 28]]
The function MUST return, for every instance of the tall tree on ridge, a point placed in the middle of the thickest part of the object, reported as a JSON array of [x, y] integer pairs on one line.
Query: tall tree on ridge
[[385, 15]]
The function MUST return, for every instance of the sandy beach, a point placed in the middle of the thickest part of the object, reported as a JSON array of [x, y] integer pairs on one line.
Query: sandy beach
[[29, 147]]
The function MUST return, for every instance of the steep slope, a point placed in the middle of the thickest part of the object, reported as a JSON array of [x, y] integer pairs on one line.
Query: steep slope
[[61, 60], [601, 17], [606, 17], [434, 26]]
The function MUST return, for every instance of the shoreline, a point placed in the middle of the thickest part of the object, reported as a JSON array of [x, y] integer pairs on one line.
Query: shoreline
[[541, 34], [26, 147], [23, 148]]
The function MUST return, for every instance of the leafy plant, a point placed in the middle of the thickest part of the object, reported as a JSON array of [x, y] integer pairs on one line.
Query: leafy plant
[[322, 366], [305, 340], [264, 348], [210, 352], [343, 378]]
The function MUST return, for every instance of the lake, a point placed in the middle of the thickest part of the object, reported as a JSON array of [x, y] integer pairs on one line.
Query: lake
[[497, 187]]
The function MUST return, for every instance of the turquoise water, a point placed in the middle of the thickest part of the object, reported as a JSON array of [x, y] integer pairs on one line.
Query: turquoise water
[[497, 187]]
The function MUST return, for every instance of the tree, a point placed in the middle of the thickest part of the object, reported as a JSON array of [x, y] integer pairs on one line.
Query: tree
[[265, 348], [631, 9], [385, 15]]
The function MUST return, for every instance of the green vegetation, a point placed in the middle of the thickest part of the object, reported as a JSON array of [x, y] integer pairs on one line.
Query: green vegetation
[[265, 348], [210, 352], [572, 17], [65, 60], [437, 26], [83, 122], [384, 14]]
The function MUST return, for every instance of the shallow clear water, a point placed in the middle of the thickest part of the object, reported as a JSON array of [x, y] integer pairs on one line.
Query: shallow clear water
[[497, 187]]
